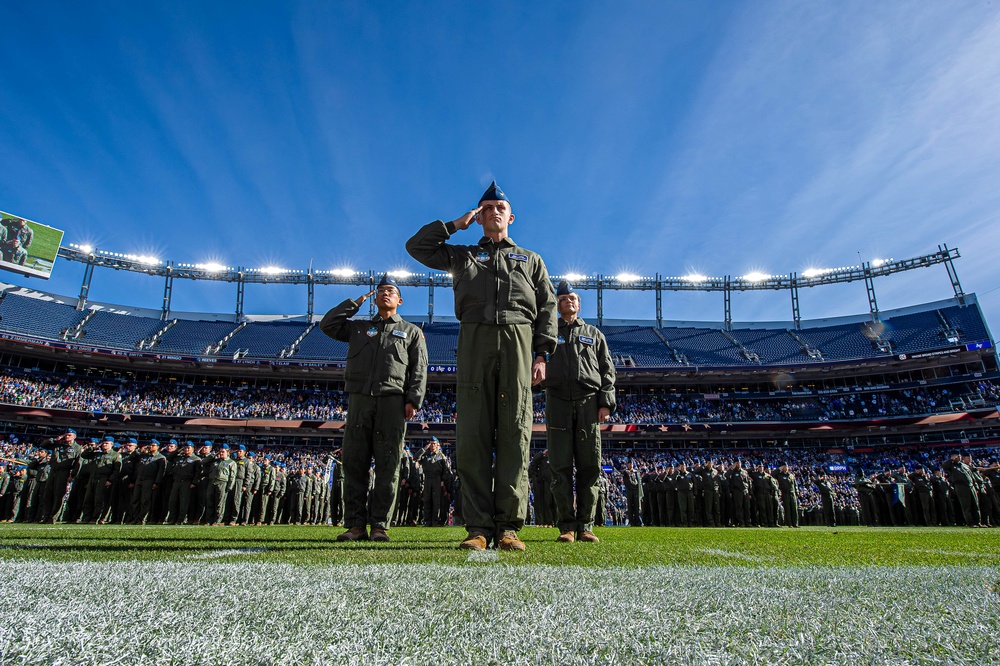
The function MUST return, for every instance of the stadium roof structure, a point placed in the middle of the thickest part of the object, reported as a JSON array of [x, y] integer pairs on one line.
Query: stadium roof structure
[[240, 275]]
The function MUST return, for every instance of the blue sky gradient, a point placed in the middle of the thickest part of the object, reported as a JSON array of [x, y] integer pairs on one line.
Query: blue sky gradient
[[663, 137]]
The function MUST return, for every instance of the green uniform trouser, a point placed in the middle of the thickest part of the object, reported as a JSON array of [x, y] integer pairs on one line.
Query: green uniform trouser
[[494, 420], [216, 507], [574, 438], [375, 429], [968, 499], [179, 503]]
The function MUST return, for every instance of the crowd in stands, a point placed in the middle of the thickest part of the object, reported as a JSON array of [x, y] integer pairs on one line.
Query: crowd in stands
[[303, 485], [103, 397]]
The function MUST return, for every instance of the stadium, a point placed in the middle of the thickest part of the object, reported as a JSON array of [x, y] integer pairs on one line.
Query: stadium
[[843, 399], [279, 386]]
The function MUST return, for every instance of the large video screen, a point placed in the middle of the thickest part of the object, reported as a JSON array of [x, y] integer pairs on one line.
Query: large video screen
[[28, 247]]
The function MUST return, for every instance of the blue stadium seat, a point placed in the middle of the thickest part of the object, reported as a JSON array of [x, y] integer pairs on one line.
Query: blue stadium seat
[[33, 316]]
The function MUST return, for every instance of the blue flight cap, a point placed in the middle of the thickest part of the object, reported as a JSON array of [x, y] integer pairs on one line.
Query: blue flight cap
[[242, 447], [109, 438], [154, 441], [133, 440], [208, 442], [251, 454], [189, 443], [70, 431], [564, 289], [493, 193], [224, 447], [267, 457], [94, 440], [172, 441], [435, 439], [388, 280]]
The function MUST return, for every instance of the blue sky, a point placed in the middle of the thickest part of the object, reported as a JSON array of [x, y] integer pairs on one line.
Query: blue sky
[[660, 137]]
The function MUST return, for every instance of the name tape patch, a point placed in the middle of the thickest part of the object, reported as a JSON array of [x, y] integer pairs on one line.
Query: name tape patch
[[518, 257], [585, 340], [398, 333]]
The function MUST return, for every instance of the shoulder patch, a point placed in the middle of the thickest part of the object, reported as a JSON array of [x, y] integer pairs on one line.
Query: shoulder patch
[[399, 333], [586, 340], [482, 256], [518, 257]]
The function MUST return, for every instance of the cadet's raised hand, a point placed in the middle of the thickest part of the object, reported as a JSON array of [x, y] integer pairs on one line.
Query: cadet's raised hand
[[361, 299], [466, 220], [603, 414]]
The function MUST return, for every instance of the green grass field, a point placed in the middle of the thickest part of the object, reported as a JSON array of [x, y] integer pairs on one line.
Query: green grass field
[[418, 545], [291, 595]]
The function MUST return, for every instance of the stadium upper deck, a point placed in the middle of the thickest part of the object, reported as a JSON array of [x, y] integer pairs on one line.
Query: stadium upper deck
[[939, 327]]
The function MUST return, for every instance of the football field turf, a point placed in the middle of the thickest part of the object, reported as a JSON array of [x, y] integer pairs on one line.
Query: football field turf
[[277, 595]]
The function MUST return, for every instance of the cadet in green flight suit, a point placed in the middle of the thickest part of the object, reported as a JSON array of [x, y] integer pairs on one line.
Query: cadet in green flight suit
[[222, 480], [506, 306], [386, 379], [579, 396]]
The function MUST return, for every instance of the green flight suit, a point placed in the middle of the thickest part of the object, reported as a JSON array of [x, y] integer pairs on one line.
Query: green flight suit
[[103, 477], [507, 309], [386, 368], [579, 380], [183, 489], [268, 476], [222, 480]]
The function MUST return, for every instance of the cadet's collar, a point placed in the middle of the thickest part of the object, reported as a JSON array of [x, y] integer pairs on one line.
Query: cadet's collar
[[486, 241], [576, 322], [395, 319]]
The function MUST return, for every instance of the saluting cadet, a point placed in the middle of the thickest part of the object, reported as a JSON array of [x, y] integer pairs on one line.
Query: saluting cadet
[[268, 474], [789, 495], [103, 479], [186, 467], [579, 396], [149, 476], [222, 480], [65, 463], [122, 512], [963, 482], [435, 467], [506, 306], [386, 378]]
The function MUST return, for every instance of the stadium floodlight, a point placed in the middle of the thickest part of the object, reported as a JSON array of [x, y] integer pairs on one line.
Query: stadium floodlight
[[343, 272], [755, 276], [272, 270], [400, 274], [816, 272], [880, 262], [211, 267], [695, 277], [575, 277], [146, 259], [627, 277], [86, 249]]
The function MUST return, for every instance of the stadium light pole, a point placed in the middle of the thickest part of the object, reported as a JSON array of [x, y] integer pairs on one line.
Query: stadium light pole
[[168, 291], [870, 287], [240, 291], [796, 314], [659, 301], [430, 298], [88, 275], [949, 265]]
